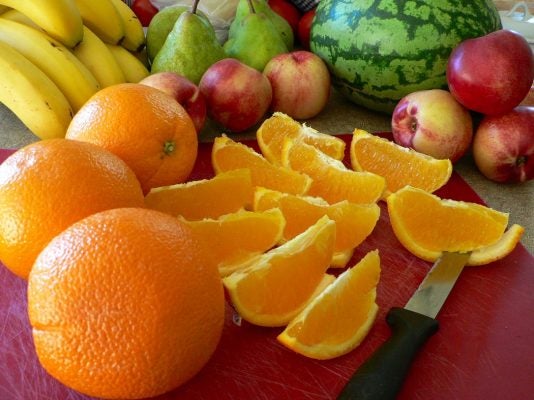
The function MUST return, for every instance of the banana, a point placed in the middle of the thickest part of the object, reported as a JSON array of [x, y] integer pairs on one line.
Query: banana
[[59, 18], [134, 70], [32, 96], [17, 16], [96, 56], [68, 73], [134, 35], [3, 9], [103, 19]]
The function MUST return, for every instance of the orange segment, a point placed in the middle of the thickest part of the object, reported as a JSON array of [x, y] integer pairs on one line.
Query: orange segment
[[498, 250], [236, 237], [273, 130], [273, 288], [331, 180], [335, 322], [400, 166], [207, 198], [228, 155], [354, 222], [428, 225]]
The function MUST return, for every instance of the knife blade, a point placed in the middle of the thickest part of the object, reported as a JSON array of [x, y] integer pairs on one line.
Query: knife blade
[[382, 375]]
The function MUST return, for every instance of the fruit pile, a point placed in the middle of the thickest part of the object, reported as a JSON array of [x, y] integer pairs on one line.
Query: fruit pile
[[55, 55]]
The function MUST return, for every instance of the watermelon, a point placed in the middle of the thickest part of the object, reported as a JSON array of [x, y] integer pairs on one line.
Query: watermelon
[[378, 51]]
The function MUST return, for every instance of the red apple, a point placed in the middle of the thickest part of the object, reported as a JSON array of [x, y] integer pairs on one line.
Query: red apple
[[183, 91], [434, 123], [287, 11], [300, 82], [237, 95], [503, 147], [144, 10], [303, 30], [491, 74]]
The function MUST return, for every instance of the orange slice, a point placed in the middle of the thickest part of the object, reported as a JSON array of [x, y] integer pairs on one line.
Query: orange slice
[[234, 238], [354, 222], [498, 250], [428, 225], [206, 198], [274, 287], [400, 166], [337, 320], [273, 130], [229, 155], [331, 180]]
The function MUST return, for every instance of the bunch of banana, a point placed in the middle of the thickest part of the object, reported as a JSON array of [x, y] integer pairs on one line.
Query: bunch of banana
[[58, 53]]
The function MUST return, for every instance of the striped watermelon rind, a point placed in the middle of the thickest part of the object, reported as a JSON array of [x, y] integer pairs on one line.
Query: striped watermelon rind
[[378, 51]]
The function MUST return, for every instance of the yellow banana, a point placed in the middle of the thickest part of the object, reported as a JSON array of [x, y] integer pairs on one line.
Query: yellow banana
[[102, 18], [3, 9], [96, 56], [134, 35], [32, 96], [59, 18], [68, 73], [17, 16], [134, 70]]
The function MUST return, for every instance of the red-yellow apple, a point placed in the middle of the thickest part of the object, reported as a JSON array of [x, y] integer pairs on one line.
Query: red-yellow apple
[[287, 11], [300, 82], [434, 123], [144, 10], [237, 95], [503, 147], [491, 74], [183, 91], [303, 30]]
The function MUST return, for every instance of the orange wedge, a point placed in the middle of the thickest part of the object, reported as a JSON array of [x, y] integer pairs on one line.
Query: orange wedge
[[274, 287], [400, 166], [229, 155], [498, 250], [428, 225], [206, 198], [331, 180], [338, 319], [354, 222], [234, 238], [273, 130]]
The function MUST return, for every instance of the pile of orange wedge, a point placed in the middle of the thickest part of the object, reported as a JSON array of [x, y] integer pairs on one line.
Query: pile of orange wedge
[[277, 220]]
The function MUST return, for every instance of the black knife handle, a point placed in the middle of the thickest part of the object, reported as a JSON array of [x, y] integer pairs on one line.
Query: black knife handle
[[382, 375]]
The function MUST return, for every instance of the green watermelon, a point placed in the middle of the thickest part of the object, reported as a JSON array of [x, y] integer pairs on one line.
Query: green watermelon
[[380, 50]]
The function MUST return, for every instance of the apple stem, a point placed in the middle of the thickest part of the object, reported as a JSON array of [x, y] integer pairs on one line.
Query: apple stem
[[521, 160], [413, 125], [195, 4], [251, 6]]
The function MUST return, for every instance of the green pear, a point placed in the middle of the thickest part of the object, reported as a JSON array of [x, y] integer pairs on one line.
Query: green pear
[[190, 48], [255, 42], [261, 6], [161, 25]]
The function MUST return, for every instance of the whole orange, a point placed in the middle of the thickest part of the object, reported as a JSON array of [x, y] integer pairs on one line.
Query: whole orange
[[124, 305], [145, 127], [48, 185]]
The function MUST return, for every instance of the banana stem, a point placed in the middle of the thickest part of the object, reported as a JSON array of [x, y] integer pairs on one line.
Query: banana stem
[[251, 6], [195, 4]]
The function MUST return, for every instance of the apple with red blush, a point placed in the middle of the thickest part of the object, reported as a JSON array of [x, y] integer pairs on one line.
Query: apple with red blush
[[237, 96], [434, 123], [287, 11], [144, 10], [301, 83], [503, 146], [491, 74], [183, 91], [304, 28]]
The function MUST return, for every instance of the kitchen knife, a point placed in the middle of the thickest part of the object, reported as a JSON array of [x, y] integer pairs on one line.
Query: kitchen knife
[[382, 375]]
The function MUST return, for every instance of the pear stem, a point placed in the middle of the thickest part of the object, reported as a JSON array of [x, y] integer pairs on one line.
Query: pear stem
[[251, 6], [195, 4]]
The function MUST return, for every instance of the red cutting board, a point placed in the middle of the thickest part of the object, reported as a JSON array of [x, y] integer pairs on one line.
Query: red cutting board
[[483, 349]]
